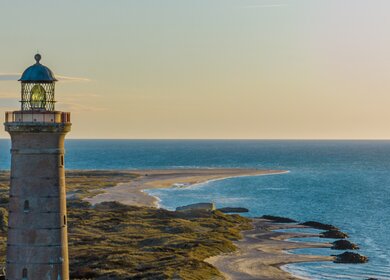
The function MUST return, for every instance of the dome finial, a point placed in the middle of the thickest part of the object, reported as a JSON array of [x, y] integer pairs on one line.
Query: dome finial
[[37, 57]]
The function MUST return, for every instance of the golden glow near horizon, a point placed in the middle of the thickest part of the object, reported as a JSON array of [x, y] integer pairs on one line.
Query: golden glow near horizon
[[259, 69]]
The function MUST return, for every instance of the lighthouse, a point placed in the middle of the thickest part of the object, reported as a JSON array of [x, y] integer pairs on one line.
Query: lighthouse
[[37, 245]]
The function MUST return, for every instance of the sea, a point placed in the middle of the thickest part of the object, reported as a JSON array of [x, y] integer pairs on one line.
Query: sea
[[344, 183]]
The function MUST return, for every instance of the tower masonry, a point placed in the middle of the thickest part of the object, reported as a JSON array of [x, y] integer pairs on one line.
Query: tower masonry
[[37, 245]]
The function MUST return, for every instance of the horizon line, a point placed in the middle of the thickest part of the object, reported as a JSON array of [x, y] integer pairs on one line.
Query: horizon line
[[232, 139]]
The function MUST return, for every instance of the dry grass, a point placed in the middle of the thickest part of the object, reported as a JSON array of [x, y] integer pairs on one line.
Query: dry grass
[[114, 241]]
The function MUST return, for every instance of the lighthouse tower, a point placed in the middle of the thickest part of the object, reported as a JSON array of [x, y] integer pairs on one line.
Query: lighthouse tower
[[37, 246]]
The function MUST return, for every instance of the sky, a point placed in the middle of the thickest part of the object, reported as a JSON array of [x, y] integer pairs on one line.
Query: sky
[[206, 69]]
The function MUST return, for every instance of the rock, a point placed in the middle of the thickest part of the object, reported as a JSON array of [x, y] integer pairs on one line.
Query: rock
[[344, 245], [233, 210], [348, 257], [197, 206], [318, 225], [278, 219], [336, 234]]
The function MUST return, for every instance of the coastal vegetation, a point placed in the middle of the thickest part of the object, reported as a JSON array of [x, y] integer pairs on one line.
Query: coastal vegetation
[[114, 241], [111, 240]]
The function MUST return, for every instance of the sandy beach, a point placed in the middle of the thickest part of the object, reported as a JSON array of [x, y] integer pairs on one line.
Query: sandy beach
[[261, 252], [131, 193]]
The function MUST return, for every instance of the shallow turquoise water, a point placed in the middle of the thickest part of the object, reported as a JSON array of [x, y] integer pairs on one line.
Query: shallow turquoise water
[[345, 183]]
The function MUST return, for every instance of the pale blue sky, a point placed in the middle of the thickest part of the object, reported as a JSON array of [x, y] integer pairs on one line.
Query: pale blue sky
[[205, 68]]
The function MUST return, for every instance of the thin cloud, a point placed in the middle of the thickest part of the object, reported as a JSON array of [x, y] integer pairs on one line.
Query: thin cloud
[[7, 102], [9, 76], [82, 95], [265, 6], [76, 107], [16, 76], [72, 79]]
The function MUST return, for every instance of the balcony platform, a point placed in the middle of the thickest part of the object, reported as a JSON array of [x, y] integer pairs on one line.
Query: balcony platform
[[35, 117]]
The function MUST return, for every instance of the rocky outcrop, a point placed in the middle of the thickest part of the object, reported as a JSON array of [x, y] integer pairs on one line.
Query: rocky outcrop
[[278, 219], [233, 210], [344, 245], [197, 206], [336, 234], [318, 225], [348, 257]]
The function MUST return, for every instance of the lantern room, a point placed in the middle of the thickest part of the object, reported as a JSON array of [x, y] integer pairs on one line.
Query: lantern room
[[37, 87], [37, 98]]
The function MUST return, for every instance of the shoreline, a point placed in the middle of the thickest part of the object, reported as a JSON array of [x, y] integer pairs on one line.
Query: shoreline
[[261, 253], [199, 184], [135, 191]]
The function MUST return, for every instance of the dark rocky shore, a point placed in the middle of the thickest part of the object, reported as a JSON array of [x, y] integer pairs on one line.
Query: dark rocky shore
[[330, 232]]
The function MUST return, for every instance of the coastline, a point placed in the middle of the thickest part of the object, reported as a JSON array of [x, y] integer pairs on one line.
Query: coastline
[[134, 192], [261, 253]]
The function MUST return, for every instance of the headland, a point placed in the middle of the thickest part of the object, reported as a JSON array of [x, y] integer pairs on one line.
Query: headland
[[116, 231]]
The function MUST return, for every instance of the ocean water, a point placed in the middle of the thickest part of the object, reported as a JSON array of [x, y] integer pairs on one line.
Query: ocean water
[[345, 183]]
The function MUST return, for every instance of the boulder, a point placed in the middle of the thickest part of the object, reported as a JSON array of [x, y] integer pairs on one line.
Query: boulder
[[336, 234], [344, 245], [318, 225], [349, 257], [278, 219], [233, 210], [197, 206]]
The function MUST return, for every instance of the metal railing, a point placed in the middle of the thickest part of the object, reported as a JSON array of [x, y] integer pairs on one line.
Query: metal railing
[[37, 116]]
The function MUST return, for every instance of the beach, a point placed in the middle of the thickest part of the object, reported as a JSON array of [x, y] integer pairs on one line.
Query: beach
[[261, 252], [132, 193]]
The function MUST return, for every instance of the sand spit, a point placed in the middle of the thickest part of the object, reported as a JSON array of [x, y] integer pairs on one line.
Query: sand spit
[[132, 193]]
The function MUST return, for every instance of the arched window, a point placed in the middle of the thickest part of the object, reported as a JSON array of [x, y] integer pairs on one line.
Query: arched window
[[24, 274], [26, 207]]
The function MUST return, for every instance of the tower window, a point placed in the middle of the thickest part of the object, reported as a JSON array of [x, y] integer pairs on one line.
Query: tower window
[[62, 160], [64, 220], [24, 274], [26, 207]]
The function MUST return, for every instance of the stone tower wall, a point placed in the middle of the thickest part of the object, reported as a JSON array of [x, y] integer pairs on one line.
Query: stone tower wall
[[37, 245]]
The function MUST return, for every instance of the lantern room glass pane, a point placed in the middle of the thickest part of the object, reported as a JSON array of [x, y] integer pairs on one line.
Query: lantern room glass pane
[[38, 97]]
